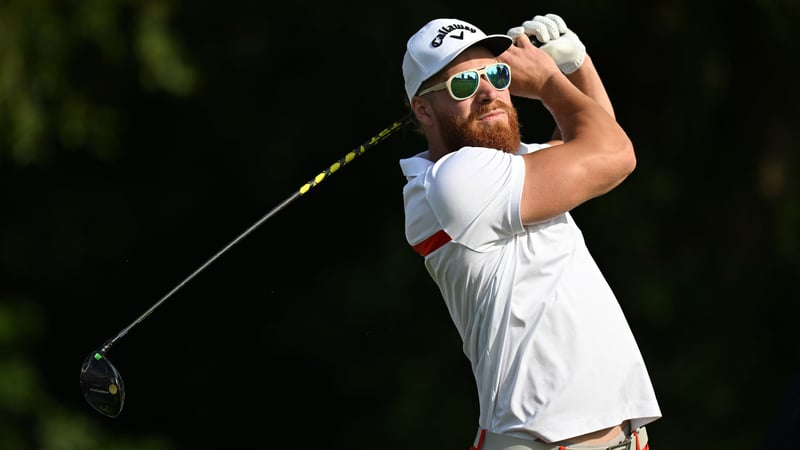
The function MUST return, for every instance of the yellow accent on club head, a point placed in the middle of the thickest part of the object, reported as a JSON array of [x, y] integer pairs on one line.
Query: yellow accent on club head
[[112, 389]]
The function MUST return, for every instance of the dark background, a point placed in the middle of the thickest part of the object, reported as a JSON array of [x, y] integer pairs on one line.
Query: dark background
[[137, 139]]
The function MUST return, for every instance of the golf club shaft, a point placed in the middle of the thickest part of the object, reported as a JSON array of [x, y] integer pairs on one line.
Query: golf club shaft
[[303, 189]]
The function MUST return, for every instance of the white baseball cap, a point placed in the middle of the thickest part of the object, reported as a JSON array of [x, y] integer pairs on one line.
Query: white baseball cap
[[438, 43]]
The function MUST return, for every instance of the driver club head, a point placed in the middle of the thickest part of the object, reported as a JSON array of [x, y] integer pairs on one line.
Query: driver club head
[[102, 384]]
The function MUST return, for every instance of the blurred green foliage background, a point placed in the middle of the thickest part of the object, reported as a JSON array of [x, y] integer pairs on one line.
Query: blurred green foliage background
[[137, 138]]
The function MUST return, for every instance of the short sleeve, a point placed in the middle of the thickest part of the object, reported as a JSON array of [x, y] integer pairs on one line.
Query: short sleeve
[[475, 194]]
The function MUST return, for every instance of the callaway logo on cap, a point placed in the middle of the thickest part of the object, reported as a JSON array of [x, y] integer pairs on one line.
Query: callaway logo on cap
[[438, 43]]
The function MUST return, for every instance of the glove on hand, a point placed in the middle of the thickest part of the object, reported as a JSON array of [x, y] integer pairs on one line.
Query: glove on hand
[[555, 39]]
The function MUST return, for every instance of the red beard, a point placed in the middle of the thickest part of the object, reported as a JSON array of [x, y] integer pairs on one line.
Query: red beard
[[457, 133]]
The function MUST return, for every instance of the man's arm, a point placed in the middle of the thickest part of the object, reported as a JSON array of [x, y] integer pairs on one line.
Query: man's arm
[[588, 81], [596, 154]]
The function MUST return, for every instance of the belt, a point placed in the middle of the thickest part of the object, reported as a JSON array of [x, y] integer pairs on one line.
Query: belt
[[494, 441]]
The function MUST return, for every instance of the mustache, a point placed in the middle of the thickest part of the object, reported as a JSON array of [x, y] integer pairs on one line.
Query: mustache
[[485, 109]]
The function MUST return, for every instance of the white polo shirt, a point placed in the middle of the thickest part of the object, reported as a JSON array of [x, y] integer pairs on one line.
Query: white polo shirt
[[551, 351]]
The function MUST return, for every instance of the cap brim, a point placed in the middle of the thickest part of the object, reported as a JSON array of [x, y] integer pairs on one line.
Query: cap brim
[[496, 43]]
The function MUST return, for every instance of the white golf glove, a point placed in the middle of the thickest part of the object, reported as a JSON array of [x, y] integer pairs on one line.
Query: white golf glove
[[555, 39]]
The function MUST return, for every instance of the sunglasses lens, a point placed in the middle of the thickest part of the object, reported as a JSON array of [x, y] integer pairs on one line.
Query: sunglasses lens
[[498, 75], [464, 84]]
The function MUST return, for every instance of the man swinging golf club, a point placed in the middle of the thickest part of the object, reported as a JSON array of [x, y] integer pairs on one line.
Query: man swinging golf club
[[555, 362]]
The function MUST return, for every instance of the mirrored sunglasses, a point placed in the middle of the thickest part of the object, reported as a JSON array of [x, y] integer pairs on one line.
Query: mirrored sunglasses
[[464, 85]]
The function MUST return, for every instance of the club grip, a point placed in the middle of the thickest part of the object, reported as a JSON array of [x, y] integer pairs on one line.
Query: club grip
[[535, 41]]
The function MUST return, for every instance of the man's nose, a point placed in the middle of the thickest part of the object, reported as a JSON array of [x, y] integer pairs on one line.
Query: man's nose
[[485, 89]]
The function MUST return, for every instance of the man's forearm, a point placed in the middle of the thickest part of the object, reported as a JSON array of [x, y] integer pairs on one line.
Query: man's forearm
[[588, 81]]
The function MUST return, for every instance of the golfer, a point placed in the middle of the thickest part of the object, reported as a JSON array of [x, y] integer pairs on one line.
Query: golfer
[[555, 362]]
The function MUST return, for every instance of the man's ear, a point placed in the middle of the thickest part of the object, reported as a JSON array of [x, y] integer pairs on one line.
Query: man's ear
[[422, 110]]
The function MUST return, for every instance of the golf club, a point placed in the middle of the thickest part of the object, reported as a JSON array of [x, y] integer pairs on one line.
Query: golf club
[[101, 383]]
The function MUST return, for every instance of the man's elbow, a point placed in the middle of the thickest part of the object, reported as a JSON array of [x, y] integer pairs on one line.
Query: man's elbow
[[624, 163], [629, 159]]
